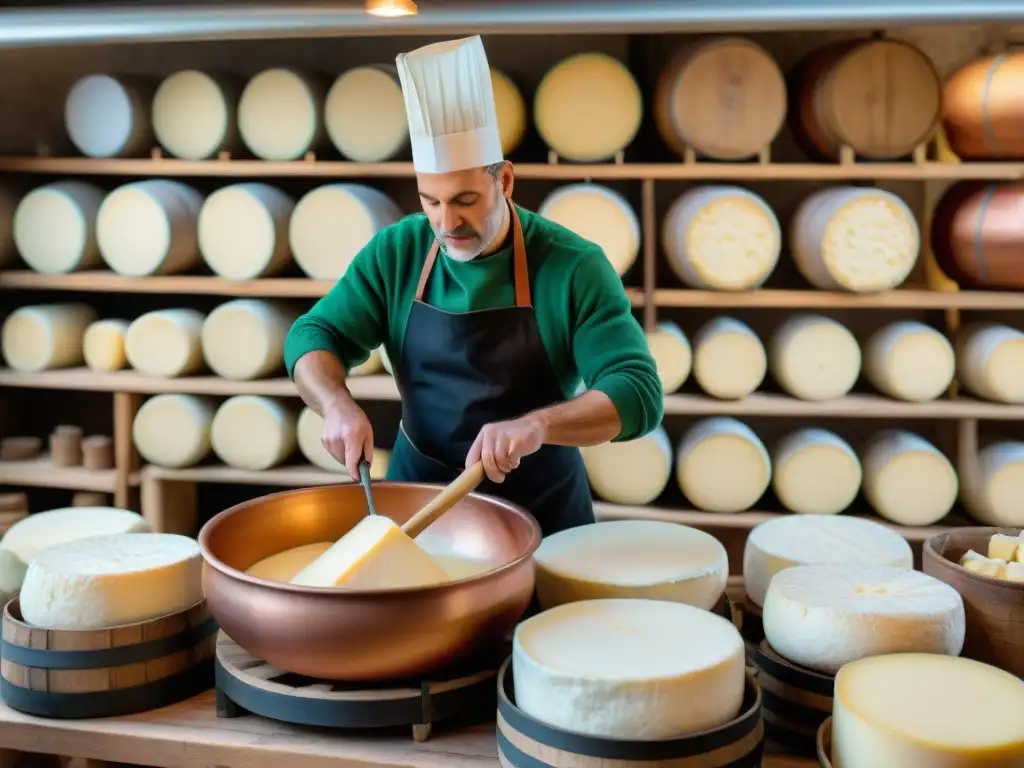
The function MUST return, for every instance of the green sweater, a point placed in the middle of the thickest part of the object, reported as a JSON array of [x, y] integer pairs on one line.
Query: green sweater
[[583, 314]]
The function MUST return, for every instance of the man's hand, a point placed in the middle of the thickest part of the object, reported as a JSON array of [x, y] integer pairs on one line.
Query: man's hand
[[502, 444], [347, 434]]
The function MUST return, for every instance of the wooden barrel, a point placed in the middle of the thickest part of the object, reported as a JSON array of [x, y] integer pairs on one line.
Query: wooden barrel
[[525, 742], [723, 98], [978, 234], [797, 700], [825, 744], [880, 98], [76, 674], [983, 111]]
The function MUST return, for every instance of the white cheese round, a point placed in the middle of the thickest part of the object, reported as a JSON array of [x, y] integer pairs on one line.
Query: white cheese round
[[9, 199], [908, 360], [103, 345], [365, 114], [108, 581], [729, 361], [993, 491], [108, 117], [817, 540], [331, 224], [907, 480], [46, 336], [722, 466], [815, 472], [824, 616], [173, 431], [41, 530], [629, 669], [814, 358], [279, 114], [373, 364], [385, 360], [633, 472], [253, 432], [166, 343], [989, 361], [243, 339], [243, 231], [671, 352], [510, 109], [55, 227], [12, 574], [311, 428], [598, 214], [631, 558], [194, 115]]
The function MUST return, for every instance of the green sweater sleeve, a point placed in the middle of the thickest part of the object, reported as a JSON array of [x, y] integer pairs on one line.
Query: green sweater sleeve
[[610, 349]]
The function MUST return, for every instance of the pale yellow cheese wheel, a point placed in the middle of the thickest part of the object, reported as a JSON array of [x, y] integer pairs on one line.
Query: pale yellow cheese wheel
[[173, 431], [253, 432], [166, 343], [310, 429], [46, 336], [103, 346]]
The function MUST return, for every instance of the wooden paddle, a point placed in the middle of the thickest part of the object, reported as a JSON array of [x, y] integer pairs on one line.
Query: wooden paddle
[[459, 488]]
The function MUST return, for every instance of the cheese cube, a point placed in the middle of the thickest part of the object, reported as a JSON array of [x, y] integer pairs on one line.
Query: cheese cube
[[985, 566], [1003, 547], [1013, 572]]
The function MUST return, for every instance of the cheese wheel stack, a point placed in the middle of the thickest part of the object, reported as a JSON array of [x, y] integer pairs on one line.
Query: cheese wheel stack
[[815, 471], [633, 472], [993, 490], [253, 433], [988, 362], [45, 336], [908, 360], [722, 466], [907, 480], [364, 114], [243, 231], [280, 114], [721, 238], [244, 339], [729, 361], [55, 227], [173, 431], [309, 431], [35, 533], [8, 205], [601, 215], [510, 109], [814, 358], [109, 117], [103, 345], [672, 355], [166, 343], [194, 115]]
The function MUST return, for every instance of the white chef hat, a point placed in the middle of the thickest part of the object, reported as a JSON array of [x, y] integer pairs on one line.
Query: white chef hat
[[449, 103]]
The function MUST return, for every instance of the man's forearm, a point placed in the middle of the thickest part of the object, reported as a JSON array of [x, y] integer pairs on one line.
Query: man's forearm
[[590, 419], [320, 378]]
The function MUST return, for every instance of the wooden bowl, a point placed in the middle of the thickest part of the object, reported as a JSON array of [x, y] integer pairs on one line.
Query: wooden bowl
[[825, 744], [994, 608], [360, 635]]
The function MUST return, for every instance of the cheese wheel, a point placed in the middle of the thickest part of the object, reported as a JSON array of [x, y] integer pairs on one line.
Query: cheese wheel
[[908, 360], [373, 364], [173, 431], [194, 115], [279, 114], [253, 432], [598, 214], [364, 114], [46, 336], [31, 535], [815, 472], [924, 711], [824, 616], [103, 345], [722, 466], [993, 489], [243, 231], [629, 669], [631, 558], [989, 360], [109, 117], [55, 227], [814, 358], [671, 352], [633, 472], [243, 339], [588, 107], [8, 205], [859, 239], [729, 361], [792, 540], [385, 360], [509, 108], [907, 480], [331, 224], [166, 343], [109, 581], [311, 428], [149, 228], [12, 574], [721, 238]]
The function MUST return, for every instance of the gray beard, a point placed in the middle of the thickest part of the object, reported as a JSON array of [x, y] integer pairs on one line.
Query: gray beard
[[494, 222]]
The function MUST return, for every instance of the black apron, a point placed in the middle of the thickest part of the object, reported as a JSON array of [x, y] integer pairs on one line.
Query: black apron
[[461, 371]]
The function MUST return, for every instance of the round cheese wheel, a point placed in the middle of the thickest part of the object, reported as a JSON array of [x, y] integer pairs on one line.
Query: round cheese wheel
[[631, 558], [907, 480], [365, 114], [173, 431], [729, 361], [629, 669], [279, 114], [908, 360], [721, 238], [510, 109], [243, 231], [109, 117], [993, 491], [633, 472], [103, 345], [856, 239], [588, 107], [166, 343], [600, 215], [815, 471], [149, 228], [722, 466], [252, 432], [55, 227], [8, 205], [989, 360], [12, 574], [31, 535], [792, 540], [331, 224], [311, 428], [194, 115], [244, 339], [824, 616], [671, 352], [47, 336], [373, 364], [814, 358], [385, 360]]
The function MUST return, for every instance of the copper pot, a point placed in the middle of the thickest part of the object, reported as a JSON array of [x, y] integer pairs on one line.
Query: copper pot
[[363, 635]]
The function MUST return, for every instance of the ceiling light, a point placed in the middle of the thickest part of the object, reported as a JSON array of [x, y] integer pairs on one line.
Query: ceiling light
[[391, 8]]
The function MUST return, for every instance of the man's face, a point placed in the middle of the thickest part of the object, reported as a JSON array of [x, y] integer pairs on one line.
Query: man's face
[[466, 209]]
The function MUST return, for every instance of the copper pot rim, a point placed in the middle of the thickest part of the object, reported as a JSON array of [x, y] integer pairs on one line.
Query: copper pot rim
[[930, 553], [219, 565]]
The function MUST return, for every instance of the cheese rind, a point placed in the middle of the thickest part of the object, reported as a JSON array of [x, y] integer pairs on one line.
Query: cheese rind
[[598, 214], [729, 361], [814, 358], [672, 355], [166, 343], [103, 345], [194, 114], [308, 433], [55, 227], [992, 489], [630, 472], [243, 339], [907, 479], [722, 466], [31, 535], [173, 431], [908, 360], [279, 114], [46, 336], [243, 231], [364, 114], [989, 361], [285, 566], [816, 472], [253, 432]]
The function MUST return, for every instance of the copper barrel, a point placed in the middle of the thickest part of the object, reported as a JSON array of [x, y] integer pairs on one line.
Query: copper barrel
[[363, 635]]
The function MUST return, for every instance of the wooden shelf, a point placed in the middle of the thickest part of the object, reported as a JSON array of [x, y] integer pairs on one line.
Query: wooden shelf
[[41, 473], [285, 476], [901, 298]]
